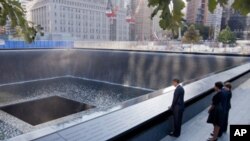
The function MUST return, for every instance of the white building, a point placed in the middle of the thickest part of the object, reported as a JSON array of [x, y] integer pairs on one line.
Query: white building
[[143, 23], [214, 20], [25, 3], [78, 19]]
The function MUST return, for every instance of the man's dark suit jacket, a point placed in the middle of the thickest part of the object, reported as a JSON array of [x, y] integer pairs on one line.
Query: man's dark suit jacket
[[178, 100], [227, 95], [225, 100]]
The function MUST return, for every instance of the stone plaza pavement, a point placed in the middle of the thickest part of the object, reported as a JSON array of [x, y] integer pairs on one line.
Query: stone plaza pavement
[[197, 129]]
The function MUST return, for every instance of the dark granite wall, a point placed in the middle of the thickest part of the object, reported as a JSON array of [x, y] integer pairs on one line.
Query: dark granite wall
[[148, 70], [22, 65], [142, 69]]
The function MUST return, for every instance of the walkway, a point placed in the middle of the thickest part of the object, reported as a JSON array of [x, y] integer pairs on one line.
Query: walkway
[[198, 130]]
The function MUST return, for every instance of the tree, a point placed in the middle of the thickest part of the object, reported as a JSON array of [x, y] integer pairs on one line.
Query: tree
[[203, 30], [226, 36], [191, 36], [171, 15], [11, 10], [170, 18]]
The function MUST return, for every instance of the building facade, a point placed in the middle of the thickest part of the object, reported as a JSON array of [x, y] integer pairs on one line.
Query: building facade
[[143, 24], [214, 20], [79, 19], [198, 13], [2, 30], [25, 5], [227, 11], [238, 23]]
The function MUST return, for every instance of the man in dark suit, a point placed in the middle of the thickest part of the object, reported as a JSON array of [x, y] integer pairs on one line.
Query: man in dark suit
[[177, 107], [226, 104], [228, 88], [224, 100]]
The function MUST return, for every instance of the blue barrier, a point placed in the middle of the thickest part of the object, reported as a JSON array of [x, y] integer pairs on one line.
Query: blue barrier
[[37, 44]]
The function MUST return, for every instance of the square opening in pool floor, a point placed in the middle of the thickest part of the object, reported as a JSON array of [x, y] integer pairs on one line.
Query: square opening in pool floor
[[44, 110]]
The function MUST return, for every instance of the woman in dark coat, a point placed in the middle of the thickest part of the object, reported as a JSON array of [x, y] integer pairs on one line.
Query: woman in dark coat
[[216, 111]]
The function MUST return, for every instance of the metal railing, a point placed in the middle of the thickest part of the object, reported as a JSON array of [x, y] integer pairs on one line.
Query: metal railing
[[171, 46], [36, 44]]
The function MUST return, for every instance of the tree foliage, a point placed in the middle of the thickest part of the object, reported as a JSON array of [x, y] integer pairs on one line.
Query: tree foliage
[[11, 10], [203, 30], [171, 10], [171, 16], [191, 36], [226, 36], [243, 6]]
